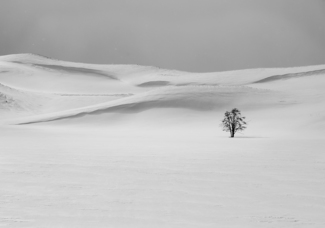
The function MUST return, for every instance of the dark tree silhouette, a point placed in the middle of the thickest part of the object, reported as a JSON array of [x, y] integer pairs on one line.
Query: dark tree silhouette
[[233, 122]]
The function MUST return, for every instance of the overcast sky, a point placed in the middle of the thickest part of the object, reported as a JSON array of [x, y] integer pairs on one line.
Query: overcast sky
[[191, 35]]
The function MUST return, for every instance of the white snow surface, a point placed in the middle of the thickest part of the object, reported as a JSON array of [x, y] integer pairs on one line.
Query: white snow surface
[[85, 145]]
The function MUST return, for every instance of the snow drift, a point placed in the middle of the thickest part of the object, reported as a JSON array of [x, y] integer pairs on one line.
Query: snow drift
[[38, 89]]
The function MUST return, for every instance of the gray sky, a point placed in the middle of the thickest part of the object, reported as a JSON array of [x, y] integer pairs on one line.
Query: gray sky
[[192, 35]]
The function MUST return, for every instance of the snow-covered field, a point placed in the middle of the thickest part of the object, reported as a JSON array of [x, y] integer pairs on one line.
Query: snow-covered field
[[86, 145]]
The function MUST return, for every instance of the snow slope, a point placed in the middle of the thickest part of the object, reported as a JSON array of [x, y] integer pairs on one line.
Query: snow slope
[[56, 90], [85, 145], [65, 89]]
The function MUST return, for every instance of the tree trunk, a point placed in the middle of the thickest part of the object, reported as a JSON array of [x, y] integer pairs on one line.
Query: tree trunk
[[233, 127]]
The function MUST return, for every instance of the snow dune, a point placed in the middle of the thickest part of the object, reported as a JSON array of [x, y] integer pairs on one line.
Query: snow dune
[[86, 145], [54, 89]]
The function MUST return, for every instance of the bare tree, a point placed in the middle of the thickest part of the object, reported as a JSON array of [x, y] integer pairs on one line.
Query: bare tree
[[233, 122]]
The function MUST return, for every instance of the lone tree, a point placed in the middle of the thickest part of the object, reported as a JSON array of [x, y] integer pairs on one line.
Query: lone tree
[[233, 122]]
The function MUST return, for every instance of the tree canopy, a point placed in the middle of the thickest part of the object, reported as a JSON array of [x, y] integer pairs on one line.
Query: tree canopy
[[233, 122]]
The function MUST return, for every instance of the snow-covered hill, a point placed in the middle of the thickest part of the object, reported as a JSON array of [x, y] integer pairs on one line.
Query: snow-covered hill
[[84, 145], [43, 89]]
